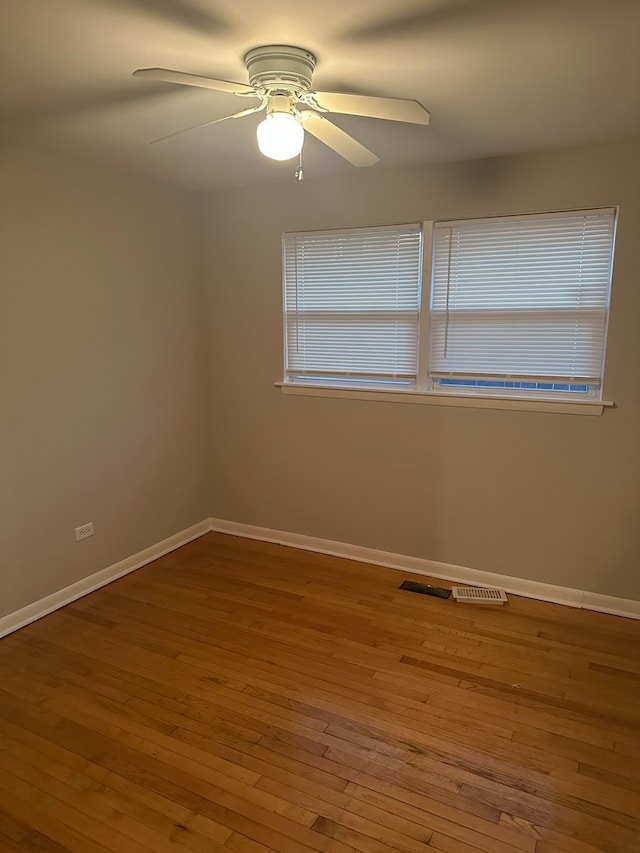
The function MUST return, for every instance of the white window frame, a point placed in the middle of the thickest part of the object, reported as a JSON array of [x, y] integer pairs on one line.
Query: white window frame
[[424, 392]]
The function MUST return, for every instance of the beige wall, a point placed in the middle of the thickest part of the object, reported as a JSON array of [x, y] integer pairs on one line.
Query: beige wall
[[102, 387], [550, 497]]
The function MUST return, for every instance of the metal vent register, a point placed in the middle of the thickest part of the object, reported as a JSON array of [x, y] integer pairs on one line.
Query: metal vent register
[[479, 595]]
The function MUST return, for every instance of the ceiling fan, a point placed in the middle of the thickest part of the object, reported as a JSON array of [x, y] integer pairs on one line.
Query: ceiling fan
[[280, 78]]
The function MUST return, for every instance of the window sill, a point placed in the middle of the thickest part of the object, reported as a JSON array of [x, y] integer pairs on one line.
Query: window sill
[[528, 404]]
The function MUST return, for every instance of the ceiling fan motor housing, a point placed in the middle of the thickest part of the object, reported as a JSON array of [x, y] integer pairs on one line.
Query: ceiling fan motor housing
[[280, 68]]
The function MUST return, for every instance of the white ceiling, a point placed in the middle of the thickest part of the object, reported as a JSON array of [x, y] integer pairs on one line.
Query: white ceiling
[[498, 76]]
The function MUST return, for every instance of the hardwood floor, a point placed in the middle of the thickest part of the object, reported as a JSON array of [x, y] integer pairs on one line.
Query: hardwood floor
[[243, 696]]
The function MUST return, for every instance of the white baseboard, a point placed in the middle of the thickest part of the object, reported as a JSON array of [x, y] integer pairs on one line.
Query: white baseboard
[[22, 617], [443, 571], [417, 565], [610, 604]]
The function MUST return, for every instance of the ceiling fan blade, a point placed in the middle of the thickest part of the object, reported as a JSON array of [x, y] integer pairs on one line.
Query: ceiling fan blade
[[207, 123], [339, 141], [184, 14], [439, 19], [168, 76], [393, 109]]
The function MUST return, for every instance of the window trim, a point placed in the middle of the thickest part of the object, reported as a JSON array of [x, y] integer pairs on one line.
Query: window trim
[[424, 393], [472, 401]]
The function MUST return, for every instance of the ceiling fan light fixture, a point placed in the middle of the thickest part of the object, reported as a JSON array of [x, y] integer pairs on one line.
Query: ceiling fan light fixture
[[280, 79], [280, 136]]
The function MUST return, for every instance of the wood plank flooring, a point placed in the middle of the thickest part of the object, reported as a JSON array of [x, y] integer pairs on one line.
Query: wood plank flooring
[[243, 696]]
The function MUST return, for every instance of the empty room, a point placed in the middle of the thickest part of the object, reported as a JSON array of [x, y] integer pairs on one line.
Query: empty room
[[319, 435]]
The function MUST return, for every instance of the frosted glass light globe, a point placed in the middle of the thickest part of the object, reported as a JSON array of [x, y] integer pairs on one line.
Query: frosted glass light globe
[[280, 136]]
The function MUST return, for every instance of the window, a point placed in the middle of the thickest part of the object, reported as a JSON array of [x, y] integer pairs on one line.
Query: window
[[517, 307], [352, 305], [521, 303]]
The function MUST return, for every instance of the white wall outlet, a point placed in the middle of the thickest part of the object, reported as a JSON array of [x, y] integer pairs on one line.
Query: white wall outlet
[[84, 531]]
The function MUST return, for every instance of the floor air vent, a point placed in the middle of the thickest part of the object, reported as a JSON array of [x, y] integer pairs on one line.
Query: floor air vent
[[479, 595]]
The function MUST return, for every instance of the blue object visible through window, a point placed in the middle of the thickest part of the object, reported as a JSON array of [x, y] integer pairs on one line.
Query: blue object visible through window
[[524, 386]]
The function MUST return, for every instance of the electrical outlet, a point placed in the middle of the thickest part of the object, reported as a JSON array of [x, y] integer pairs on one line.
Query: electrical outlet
[[84, 531]]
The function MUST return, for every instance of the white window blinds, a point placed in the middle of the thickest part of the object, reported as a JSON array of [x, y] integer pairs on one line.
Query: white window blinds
[[351, 303], [522, 298]]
